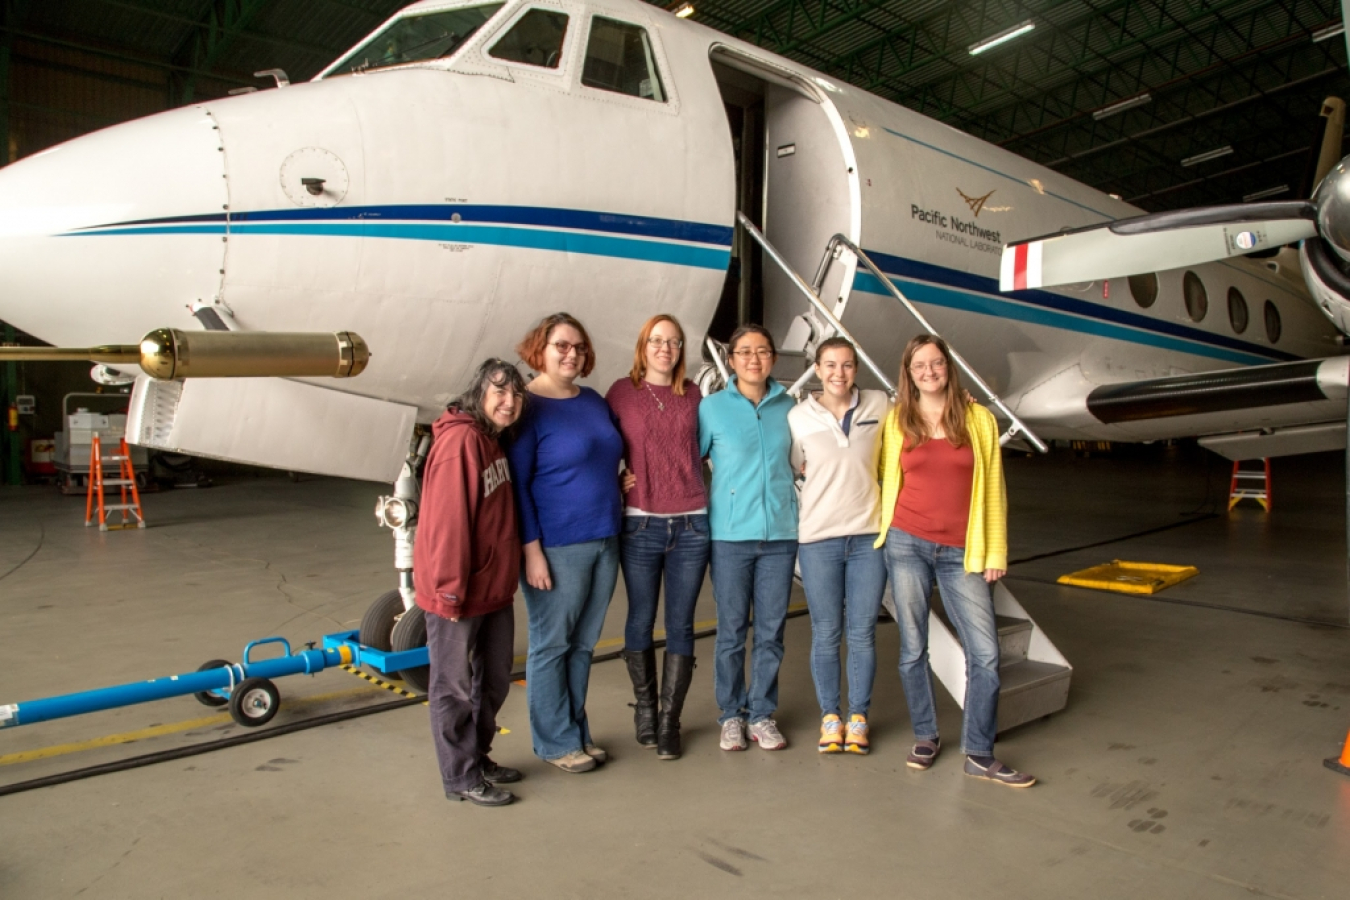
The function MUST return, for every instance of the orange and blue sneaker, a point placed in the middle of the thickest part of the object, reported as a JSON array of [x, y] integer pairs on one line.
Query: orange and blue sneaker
[[855, 741], [831, 734]]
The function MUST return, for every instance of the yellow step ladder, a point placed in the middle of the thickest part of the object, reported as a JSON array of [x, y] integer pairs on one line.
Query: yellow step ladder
[[125, 481], [1250, 484]]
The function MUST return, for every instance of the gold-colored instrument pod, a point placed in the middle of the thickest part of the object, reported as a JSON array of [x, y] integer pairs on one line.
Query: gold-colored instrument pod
[[170, 354]]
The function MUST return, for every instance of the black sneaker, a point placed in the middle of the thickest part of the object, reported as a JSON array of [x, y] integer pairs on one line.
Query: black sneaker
[[484, 793], [495, 774]]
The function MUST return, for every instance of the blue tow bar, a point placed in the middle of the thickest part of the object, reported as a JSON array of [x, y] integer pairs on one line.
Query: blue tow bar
[[246, 687]]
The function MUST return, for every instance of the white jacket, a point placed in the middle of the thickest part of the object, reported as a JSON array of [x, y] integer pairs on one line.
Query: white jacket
[[840, 495]]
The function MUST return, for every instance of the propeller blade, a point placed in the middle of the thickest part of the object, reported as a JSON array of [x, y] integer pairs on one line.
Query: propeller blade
[[1154, 243], [1333, 110]]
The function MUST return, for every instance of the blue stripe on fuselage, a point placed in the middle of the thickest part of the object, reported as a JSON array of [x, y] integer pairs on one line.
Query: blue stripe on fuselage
[[529, 216], [535, 239], [953, 289]]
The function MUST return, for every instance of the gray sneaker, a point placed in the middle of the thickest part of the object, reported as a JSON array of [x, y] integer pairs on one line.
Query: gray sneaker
[[733, 735], [765, 733]]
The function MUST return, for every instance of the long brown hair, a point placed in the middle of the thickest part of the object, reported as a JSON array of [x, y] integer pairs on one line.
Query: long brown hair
[[954, 399], [640, 354], [531, 348]]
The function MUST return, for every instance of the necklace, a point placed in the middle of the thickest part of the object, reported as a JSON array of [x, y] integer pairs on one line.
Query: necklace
[[659, 405]]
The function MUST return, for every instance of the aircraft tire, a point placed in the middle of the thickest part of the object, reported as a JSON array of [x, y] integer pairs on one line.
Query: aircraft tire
[[409, 634], [377, 625]]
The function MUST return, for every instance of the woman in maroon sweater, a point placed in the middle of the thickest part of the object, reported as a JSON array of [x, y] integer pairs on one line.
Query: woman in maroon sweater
[[665, 525], [466, 562]]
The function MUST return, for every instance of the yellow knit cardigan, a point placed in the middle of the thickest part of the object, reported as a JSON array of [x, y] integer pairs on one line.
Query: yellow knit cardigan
[[987, 533]]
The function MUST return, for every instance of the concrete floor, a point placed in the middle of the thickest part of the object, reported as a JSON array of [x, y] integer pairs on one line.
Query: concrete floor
[[1188, 763]]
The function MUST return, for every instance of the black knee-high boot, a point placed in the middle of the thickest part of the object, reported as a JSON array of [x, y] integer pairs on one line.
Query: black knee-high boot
[[679, 671], [642, 672]]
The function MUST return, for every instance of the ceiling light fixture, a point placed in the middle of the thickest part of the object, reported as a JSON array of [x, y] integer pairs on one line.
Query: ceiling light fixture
[[1198, 158], [1001, 38], [685, 11], [1122, 106], [1331, 31], [1268, 192]]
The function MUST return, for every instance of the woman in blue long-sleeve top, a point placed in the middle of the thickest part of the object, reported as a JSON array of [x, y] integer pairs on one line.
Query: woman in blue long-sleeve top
[[565, 463], [752, 508]]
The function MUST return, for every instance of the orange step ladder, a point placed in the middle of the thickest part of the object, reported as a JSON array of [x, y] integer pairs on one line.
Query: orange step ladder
[[1250, 484], [125, 480]]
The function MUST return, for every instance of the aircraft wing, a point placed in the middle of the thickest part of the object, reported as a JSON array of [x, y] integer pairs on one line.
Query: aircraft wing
[[1246, 412]]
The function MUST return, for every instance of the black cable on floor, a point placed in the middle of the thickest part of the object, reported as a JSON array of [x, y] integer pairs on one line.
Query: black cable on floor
[[1115, 540], [149, 759]]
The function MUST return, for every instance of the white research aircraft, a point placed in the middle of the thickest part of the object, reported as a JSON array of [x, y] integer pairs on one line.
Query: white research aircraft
[[470, 167]]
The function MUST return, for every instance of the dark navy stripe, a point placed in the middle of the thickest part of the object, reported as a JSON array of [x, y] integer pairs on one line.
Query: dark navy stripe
[[920, 271], [533, 216]]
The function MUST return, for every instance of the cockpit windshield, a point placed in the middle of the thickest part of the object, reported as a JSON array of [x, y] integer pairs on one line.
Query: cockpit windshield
[[416, 38]]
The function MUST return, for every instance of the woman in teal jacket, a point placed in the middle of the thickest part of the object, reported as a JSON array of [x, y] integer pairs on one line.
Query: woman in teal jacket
[[752, 508]]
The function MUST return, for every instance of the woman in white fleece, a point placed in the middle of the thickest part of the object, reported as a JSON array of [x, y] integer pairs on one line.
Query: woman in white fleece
[[835, 442]]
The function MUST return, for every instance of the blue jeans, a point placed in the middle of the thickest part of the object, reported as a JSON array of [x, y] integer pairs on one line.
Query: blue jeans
[[750, 575], [914, 563], [844, 578], [565, 624], [650, 547]]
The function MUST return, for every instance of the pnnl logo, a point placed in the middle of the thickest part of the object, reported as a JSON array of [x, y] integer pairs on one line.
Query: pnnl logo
[[975, 203]]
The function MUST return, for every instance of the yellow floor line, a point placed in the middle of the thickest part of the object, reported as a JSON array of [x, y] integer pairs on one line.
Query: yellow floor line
[[141, 734]]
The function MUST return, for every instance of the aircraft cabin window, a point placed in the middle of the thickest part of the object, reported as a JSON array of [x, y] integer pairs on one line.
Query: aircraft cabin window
[[1144, 289], [1237, 310], [1197, 301], [535, 40], [1272, 322], [418, 38], [619, 58]]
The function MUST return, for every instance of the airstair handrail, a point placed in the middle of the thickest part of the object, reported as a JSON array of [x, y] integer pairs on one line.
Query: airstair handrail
[[815, 300], [1017, 426]]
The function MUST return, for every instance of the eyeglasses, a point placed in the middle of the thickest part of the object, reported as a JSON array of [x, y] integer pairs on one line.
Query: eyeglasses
[[566, 347], [657, 343], [937, 365], [747, 354]]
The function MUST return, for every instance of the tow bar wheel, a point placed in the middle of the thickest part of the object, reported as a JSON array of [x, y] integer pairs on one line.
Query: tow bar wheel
[[254, 702], [215, 697]]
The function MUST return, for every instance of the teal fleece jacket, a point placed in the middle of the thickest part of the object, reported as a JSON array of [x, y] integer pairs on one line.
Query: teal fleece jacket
[[752, 497]]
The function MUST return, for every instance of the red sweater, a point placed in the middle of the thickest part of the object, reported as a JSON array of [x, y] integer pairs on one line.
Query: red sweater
[[660, 445], [466, 559]]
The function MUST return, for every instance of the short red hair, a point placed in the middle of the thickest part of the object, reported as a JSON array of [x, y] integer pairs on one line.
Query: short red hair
[[531, 348], [640, 354]]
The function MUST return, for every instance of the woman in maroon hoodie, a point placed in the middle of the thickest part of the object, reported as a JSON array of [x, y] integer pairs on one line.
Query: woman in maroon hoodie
[[466, 564]]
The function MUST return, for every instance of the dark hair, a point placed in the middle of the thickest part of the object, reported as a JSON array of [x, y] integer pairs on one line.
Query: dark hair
[[833, 344], [531, 348], [751, 329], [495, 372]]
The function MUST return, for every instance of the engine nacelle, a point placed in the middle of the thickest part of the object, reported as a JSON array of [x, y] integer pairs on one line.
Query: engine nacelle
[[1328, 279]]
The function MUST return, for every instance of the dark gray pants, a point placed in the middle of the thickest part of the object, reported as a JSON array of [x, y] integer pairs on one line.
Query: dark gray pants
[[470, 678]]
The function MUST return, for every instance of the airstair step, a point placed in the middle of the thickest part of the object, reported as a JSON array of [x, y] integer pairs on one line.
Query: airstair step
[[109, 507], [1014, 639], [1031, 690], [116, 481]]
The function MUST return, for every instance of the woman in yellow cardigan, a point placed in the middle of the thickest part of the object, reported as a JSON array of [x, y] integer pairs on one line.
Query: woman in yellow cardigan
[[944, 517]]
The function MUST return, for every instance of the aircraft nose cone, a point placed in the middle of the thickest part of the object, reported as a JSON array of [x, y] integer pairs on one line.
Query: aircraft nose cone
[[93, 242], [1333, 209]]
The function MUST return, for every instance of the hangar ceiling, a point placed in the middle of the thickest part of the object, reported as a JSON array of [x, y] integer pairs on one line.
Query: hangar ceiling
[[1239, 74]]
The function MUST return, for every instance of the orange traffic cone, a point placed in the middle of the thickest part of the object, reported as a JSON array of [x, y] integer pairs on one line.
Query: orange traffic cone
[[1342, 763]]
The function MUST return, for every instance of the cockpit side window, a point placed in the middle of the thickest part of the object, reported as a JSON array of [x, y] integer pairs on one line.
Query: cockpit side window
[[413, 39], [619, 58], [535, 40]]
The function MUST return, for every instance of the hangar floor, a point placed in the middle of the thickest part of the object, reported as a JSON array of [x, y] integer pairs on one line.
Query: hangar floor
[[1188, 763]]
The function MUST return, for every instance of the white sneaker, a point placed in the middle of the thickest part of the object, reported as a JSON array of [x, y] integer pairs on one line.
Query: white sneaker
[[733, 735], [765, 733]]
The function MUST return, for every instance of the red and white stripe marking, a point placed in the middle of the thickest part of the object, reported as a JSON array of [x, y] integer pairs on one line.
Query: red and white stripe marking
[[1020, 267]]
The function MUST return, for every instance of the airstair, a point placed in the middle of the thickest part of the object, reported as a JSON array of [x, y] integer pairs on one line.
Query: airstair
[[1034, 675]]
